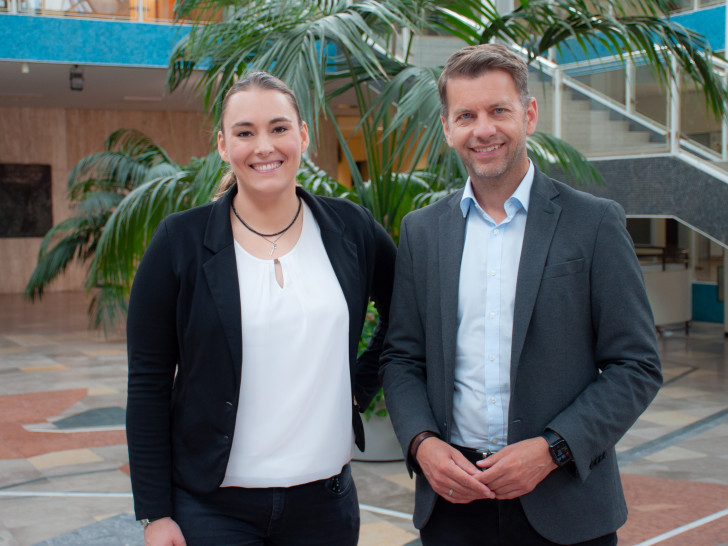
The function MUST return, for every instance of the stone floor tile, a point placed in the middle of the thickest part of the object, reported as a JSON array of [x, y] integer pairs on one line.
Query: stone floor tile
[[381, 533], [682, 482]]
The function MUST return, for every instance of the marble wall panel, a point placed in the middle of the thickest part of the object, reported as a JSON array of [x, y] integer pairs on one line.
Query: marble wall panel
[[60, 138]]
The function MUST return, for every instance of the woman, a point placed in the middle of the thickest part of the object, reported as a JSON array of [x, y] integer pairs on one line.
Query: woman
[[243, 326]]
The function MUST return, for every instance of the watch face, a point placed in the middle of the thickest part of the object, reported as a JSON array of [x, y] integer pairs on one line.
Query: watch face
[[560, 452]]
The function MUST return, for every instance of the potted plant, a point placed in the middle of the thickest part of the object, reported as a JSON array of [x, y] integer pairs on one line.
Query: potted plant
[[381, 442]]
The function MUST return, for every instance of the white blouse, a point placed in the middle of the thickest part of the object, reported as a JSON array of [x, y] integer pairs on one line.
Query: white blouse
[[294, 414]]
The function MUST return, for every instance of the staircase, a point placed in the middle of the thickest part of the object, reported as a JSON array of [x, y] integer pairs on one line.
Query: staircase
[[635, 161], [591, 127]]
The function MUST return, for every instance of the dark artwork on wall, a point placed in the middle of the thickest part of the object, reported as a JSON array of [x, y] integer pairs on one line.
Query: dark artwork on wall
[[25, 200]]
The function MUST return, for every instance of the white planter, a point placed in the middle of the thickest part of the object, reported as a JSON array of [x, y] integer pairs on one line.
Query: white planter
[[381, 443]]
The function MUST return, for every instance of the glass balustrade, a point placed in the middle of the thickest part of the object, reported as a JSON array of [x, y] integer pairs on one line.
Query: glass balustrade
[[150, 11]]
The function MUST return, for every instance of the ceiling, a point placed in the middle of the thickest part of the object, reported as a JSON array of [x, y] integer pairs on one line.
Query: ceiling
[[46, 85]]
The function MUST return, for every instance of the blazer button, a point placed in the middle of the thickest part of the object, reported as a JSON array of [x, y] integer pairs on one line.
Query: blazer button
[[226, 438]]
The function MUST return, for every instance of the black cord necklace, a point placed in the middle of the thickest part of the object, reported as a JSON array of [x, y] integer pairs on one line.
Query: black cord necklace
[[265, 235]]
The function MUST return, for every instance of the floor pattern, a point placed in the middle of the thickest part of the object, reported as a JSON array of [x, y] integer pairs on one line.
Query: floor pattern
[[64, 467]]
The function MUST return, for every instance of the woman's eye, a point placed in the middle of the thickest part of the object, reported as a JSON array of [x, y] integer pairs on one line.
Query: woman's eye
[[244, 134], [280, 129]]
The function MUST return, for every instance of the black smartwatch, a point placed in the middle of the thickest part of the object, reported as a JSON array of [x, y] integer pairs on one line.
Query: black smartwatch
[[559, 449]]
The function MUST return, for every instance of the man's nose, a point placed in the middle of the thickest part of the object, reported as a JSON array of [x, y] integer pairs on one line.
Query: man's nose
[[484, 128]]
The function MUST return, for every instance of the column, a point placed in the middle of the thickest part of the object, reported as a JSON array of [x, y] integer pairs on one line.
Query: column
[[725, 296]]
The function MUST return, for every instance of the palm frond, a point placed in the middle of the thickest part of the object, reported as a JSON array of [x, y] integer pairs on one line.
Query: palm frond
[[306, 44], [315, 180], [547, 151], [624, 28], [129, 229], [126, 160]]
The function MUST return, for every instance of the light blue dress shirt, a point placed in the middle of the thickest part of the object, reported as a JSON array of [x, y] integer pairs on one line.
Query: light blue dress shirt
[[487, 292]]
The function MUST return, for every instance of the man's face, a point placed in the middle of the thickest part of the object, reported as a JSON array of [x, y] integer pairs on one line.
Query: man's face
[[487, 126]]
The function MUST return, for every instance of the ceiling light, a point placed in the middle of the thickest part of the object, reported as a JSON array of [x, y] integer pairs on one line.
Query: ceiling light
[[75, 78], [24, 68]]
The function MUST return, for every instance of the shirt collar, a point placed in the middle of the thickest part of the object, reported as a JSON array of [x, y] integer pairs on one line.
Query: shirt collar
[[522, 195]]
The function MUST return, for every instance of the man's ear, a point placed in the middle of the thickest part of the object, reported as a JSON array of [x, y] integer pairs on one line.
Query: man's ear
[[446, 130], [531, 116]]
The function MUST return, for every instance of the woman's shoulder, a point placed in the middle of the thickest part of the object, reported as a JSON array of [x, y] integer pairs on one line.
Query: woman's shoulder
[[345, 209], [191, 217]]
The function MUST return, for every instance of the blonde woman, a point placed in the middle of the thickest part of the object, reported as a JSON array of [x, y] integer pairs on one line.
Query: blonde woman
[[243, 326]]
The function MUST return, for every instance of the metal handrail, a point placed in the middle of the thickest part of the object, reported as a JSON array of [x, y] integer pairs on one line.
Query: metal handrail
[[664, 254], [679, 144]]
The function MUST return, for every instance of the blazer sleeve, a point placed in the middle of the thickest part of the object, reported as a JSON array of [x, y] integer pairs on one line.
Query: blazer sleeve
[[403, 371], [153, 355], [625, 349], [381, 274]]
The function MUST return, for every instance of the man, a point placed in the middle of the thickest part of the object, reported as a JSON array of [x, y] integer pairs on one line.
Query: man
[[521, 344]]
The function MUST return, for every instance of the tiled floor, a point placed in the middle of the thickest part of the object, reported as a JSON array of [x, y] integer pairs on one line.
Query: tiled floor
[[63, 463]]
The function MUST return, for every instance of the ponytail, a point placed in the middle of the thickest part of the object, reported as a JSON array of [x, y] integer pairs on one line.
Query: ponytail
[[227, 181]]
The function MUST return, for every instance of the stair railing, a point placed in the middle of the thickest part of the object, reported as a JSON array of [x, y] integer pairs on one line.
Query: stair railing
[[679, 143]]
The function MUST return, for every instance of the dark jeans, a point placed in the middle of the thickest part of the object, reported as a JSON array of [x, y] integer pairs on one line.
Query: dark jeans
[[324, 512], [487, 523]]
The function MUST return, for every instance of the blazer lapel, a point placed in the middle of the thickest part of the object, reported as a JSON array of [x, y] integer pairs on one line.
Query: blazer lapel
[[451, 238], [543, 215], [222, 278]]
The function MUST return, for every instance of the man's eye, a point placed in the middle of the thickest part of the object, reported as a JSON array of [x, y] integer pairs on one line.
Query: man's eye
[[466, 115], [500, 110]]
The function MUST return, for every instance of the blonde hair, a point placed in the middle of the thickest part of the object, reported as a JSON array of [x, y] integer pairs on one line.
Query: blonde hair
[[254, 80]]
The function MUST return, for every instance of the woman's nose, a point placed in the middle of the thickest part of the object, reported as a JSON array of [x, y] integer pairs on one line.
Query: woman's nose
[[263, 145]]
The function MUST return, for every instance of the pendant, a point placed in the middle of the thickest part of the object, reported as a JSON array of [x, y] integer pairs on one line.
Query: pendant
[[273, 249]]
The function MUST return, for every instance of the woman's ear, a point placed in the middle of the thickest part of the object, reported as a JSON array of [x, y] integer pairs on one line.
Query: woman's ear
[[305, 141], [221, 148]]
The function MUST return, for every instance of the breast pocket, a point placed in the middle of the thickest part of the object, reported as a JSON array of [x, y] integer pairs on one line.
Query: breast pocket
[[563, 269]]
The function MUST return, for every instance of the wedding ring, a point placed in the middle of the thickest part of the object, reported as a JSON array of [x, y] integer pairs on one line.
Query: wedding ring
[[450, 492]]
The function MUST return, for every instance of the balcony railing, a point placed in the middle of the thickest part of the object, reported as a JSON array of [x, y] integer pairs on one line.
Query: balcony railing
[[143, 11]]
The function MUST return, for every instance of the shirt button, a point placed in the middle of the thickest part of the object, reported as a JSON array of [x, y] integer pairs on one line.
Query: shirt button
[[491, 314], [492, 400], [496, 231], [491, 272], [491, 357]]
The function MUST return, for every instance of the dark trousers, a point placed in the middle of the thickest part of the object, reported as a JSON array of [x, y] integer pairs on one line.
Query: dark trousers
[[486, 523], [324, 512]]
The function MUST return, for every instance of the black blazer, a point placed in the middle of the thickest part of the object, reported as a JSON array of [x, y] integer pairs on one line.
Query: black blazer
[[184, 340]]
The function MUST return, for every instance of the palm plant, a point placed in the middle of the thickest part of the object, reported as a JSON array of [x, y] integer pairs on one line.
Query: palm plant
[[120, 196], [327, 49]]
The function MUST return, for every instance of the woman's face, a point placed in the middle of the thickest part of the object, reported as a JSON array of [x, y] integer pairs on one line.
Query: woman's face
[[262, 140]]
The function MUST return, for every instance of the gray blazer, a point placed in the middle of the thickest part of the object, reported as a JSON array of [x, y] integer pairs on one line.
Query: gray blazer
[[584, 358]]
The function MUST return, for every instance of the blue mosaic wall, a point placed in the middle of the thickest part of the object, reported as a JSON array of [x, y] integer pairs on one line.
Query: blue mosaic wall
[[80, 41], [710, 23]]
